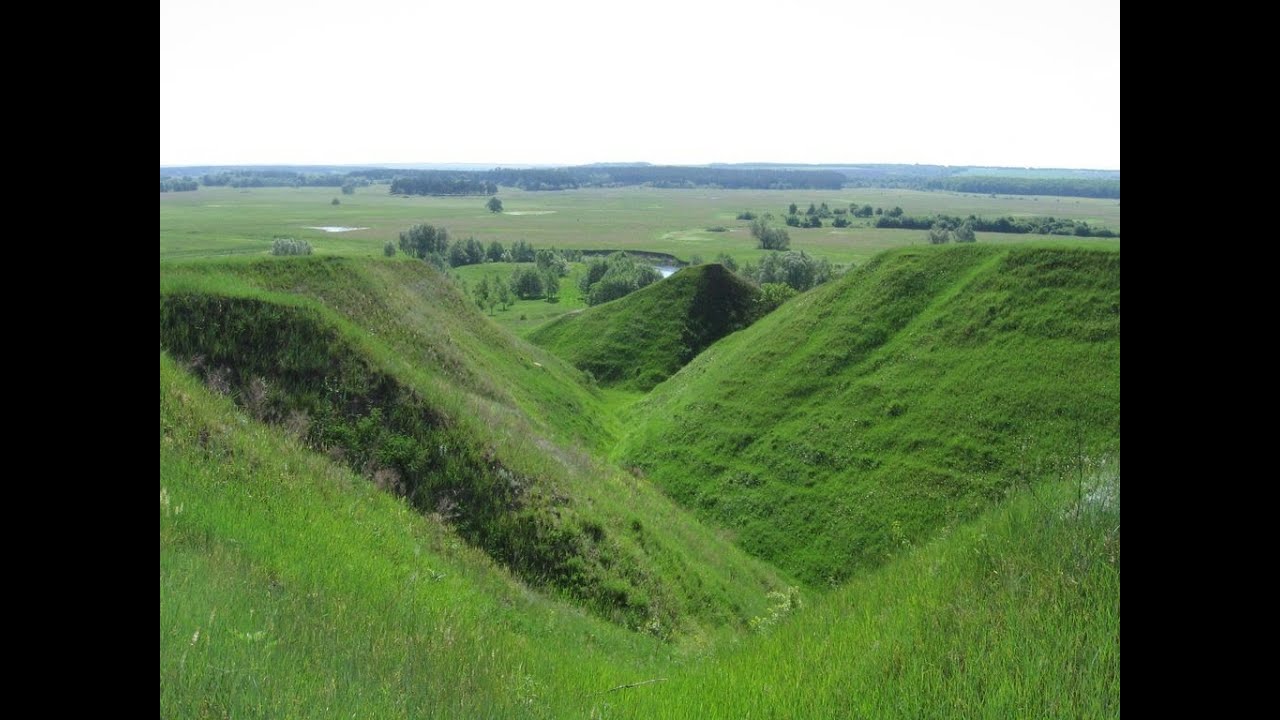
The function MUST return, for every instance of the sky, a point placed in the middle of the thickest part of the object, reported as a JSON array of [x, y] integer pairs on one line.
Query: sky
[[1024, 83]]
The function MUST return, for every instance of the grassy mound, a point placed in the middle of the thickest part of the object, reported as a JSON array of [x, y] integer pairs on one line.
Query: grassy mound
[[639, 340], [428, 400], [903, 397]]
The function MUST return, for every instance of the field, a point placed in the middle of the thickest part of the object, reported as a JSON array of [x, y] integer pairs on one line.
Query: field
[[228, 221]]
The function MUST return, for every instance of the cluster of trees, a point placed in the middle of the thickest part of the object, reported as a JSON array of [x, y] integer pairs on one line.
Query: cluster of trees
[[525, 283], [430, 243], [178, 184], [282, 178], [941, 233], [814, 216], [1006, 224], [430, 182], [796, 270], [290, 246], [426, 242], [769, 237], [611, 277]]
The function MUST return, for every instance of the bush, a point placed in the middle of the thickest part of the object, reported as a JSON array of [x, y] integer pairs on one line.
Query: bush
[[389, 249], [771, 238], [615, 276], [290, 246]]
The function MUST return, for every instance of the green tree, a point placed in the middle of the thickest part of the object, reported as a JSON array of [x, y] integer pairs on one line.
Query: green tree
[[335, 201], [895, 212], [964, 233], [792, 209], [349, 188], [495, 252], [481, 293], [770, 238], [389, 249], [494, 205], [939, 234], [504, 294], [771, 296], [550, 284]]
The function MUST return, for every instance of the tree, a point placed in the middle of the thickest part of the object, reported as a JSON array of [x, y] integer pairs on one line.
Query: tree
[[494, 205], [939, 234], [895, 212], [964, 233], [504, 294], [349, 188], [526, 283], [791, 209], [495, 252], [771, 296], [550, 284], [389, 249], [550, 260], [423, 241], [481, 293], [796, 269], [612, 277], [335, 202], [771, 238]]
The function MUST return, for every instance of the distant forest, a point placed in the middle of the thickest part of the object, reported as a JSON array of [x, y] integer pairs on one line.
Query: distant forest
[[1006, 181]]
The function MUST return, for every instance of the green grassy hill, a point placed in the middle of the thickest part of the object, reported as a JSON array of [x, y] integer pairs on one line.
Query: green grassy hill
[[908, 395], [895, 496], [637, 341], [384, 367], [292, 587]]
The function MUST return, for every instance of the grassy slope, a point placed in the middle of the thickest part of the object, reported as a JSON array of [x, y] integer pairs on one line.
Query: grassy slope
[[289, 587], [1016, 615], [637, 341], [497, 409], [903, 397]]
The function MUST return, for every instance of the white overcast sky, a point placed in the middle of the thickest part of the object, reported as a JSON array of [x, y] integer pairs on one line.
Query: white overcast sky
[[953, 82]]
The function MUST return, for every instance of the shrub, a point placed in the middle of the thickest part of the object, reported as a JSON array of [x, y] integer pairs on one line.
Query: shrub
[[290, 246]]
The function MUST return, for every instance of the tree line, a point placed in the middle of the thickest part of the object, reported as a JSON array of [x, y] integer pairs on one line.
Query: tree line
[[1005, 224], [662, 176], [182, 184]]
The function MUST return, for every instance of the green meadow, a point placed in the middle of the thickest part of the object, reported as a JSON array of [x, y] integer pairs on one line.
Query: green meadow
[[219, 221]]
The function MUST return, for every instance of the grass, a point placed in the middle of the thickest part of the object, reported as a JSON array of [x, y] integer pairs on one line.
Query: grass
[[404, 381], [1014, 615], [291, 587], [229, 221], [637, 341], [903, 397], [884, 497]]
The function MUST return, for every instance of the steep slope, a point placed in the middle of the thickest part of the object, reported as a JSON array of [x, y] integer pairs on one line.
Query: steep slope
[[639, 340], [905, 396], [383, 366], [1015, 615], [290, 587]]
